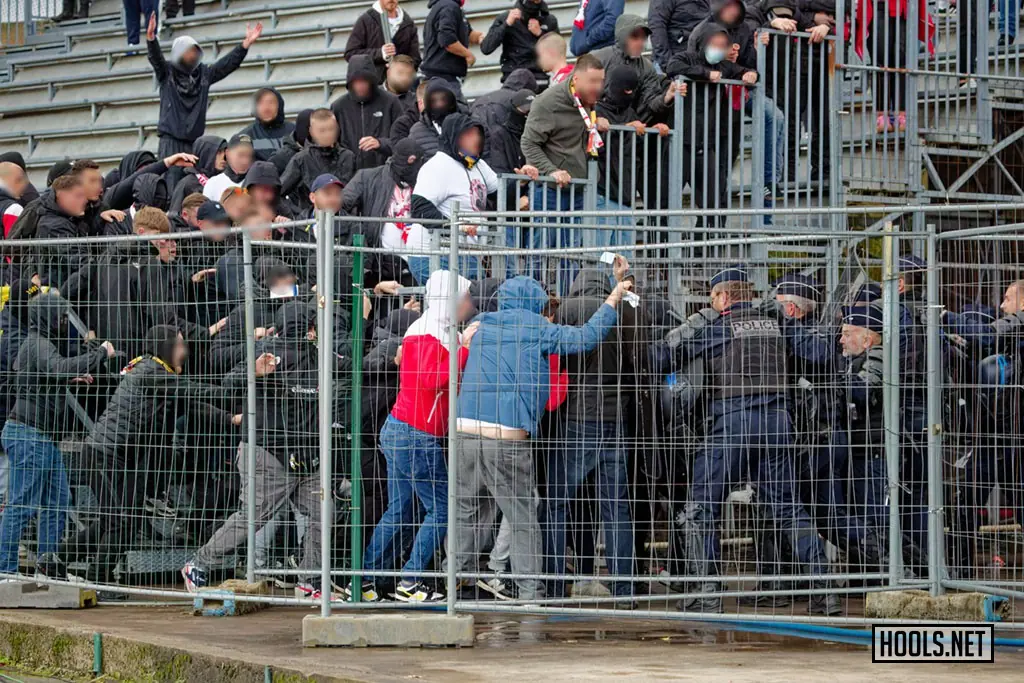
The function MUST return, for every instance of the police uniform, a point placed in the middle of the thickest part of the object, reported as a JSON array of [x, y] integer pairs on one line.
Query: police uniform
[[745, 354], [816, 407]]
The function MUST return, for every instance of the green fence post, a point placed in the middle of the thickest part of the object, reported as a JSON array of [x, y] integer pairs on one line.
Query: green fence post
[[356, 465]]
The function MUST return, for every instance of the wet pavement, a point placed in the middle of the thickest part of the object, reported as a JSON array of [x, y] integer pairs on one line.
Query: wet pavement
[[510, 647]]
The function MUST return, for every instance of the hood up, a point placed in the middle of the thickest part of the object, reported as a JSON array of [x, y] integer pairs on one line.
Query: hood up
[[436, 320]]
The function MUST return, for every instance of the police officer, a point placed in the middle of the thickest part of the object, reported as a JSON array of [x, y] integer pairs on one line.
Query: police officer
[[816, 405], [861, 342], [745, 353]]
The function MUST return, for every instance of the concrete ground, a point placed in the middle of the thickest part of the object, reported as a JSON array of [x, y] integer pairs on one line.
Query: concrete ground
[[167, 643]]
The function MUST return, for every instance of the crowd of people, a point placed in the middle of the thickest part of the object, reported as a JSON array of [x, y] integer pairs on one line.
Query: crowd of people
[[135, 343]]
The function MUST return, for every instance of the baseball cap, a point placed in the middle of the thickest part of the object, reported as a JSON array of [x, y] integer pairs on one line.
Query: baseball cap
[[323, 180], [239, 139], [213, 211], [523, 100]]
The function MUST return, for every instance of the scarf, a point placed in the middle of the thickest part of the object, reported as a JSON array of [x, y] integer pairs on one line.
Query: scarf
[[594, 142], [580, 19]]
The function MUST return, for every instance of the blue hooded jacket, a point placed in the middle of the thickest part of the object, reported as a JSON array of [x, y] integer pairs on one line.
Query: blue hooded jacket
[[506, 377]]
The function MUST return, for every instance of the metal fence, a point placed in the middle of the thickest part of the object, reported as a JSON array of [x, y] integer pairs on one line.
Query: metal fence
[[266, 442], [19, 19]]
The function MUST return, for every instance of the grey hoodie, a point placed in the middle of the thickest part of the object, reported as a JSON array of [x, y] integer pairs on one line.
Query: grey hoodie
[[649, 98]]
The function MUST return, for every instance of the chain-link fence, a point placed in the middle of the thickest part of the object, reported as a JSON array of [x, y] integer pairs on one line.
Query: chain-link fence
[[507, 427]]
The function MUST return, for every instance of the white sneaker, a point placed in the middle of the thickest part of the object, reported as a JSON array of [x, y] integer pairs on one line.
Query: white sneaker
[[590, 589], [499, 588]]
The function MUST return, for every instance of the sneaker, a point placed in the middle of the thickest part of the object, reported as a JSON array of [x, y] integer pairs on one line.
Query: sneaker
[[369, 592], [828, 605], [418, 592], [883, 124], [50, 566], [901, 122], [309, 589], [590, 589], [769, 202], [499, 588], [195, 577]]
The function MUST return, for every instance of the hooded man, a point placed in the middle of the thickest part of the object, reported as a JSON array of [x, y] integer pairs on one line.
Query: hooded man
[[493, 108], [654, 94], [502, 396], [599, 407], [516, 32], [618, 160], [263, 184], [120, 183], [128, 446], [367, 37], [185, 86], [211, 159], [438, 103], [292, 143], [706, 138], [457, 173], [148, 189], [413, 441], [268, 127], [130, 163], [386, 191], [287, 450], [365, 114], [47, 363]]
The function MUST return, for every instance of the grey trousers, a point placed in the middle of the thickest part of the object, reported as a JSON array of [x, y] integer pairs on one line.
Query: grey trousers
[[495, 474], [275, 486]]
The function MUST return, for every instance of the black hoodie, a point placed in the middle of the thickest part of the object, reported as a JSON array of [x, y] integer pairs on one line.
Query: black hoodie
[[265, 173], [741, 32], [148, 189], [56, 262], [446, 24], [601, 381], [426, 132], [118, 195], [267, 135], [287, 413], [516, 42], [292, 143], [47, 362], [206, 148], [129, 164], [311, 162], [493, 108], [616, 105], [371, 116]]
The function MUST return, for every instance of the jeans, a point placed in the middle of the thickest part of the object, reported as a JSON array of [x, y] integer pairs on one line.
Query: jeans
[[774, 139], [38, 484], [590, 446], [416, 471], [419, 266], [567, 200], [136, 11], [614, 238], [1008, 13]]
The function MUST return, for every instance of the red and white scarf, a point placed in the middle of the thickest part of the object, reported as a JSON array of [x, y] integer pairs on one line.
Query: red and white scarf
[[594, 141], [580, 20]]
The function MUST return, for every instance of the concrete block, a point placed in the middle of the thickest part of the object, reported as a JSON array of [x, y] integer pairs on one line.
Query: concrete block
[[365, 629], [222, 601], [29, 594]]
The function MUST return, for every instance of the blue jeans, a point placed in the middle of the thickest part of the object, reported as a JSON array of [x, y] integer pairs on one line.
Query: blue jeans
[[774, 139], [614, 238], [136, 11], [590, 446], [38, 484], [548, 237], [416, 471], [1008, 12], [419, 266]]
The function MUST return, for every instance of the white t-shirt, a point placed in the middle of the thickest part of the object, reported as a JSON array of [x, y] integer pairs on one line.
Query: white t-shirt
[[403, 235], [444, 180]]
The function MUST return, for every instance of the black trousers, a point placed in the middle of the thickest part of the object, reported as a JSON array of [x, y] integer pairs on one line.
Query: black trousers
[[806, 100], [888, 45], [172, 7]]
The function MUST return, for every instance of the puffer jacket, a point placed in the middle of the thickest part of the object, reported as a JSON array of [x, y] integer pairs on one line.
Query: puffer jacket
[[55, 263], [492, 109], [506, 378], [312, 161], [517, 43], [598, 26], [267, 135], [649, 98], [671, 23]]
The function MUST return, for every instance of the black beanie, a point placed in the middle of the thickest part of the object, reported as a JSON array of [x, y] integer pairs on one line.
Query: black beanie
[[59, 168], [13, 158], [160, 341]]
